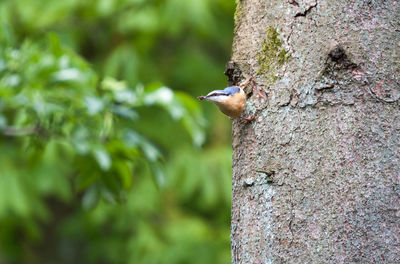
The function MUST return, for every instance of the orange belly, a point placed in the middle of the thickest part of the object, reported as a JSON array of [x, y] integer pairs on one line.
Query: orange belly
[[231, 111], [234, 105]]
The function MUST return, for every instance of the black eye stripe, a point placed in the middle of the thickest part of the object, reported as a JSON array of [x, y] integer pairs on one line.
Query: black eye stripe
[[217, 94]]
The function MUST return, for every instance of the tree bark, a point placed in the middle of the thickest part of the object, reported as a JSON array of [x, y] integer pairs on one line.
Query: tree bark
[[316, 175]]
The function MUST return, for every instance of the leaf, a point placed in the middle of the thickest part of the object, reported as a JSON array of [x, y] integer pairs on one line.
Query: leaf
[[124, 170], [195, 131], [163, 96], [80, 140], [112, 190], [94, 105], [3, 122], [90, 198], [125, 96], [3, 65], [112, 84], [125, 112], [133, 139], [150, 151], [71, 74], [103, 158], [158, 174], [12, 80]]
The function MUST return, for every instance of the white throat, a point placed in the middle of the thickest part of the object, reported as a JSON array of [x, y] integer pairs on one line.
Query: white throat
[[217, 98]]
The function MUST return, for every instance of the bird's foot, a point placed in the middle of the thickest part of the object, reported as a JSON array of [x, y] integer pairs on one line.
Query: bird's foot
[[247, 119], [246, 82]]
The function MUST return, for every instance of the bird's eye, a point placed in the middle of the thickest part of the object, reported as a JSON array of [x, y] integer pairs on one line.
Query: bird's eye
[[217, 94]]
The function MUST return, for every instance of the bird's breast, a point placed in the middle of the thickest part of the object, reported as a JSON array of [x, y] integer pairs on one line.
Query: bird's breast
[[233, 106]]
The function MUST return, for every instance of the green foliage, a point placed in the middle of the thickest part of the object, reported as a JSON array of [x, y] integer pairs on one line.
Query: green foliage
[[51, 101], [79, 133]]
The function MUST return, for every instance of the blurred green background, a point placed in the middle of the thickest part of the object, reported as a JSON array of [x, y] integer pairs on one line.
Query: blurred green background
[[105, 155]]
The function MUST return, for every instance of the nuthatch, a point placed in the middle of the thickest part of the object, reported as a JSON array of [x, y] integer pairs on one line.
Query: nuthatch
[[231, 101]]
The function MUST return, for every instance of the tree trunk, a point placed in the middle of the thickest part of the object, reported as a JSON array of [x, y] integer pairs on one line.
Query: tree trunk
[[316, 175]]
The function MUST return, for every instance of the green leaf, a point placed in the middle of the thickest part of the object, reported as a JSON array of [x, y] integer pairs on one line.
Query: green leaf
[[94, 105], [133, 139], [159, 175], [70, 74], [103, 158], [90, 198], [125, 112], [162, 96], [3, 122], [112, 84]]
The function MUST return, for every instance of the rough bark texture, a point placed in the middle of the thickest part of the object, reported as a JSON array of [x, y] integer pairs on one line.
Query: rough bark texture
[[316, 176]]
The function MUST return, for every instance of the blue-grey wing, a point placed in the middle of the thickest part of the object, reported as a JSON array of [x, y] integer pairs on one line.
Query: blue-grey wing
[[231, 90]]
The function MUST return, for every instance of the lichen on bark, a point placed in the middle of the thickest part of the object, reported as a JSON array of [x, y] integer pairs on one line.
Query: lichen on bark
[[238, 11], [271, 56]]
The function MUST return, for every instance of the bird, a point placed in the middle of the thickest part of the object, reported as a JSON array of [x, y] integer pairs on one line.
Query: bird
[[231, 101]]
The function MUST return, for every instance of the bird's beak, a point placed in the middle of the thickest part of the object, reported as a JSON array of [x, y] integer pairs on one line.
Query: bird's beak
[[201, 98]]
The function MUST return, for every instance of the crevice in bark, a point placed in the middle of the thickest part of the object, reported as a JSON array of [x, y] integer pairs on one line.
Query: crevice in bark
[[293, 2], [340, 82], [341, 72], [339, 58], [269, 176], [306, 11], [291, 221], [249, 182], [233, 72], [385, 90]]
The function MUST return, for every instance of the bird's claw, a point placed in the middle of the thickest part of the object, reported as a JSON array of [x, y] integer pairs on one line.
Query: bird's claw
[[248, 119], [246, 82]]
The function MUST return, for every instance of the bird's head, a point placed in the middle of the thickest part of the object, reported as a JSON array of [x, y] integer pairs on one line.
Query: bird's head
[[220, 96], [231, 101]]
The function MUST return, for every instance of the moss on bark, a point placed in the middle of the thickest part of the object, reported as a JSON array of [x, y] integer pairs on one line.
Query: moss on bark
[[272, 55]]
